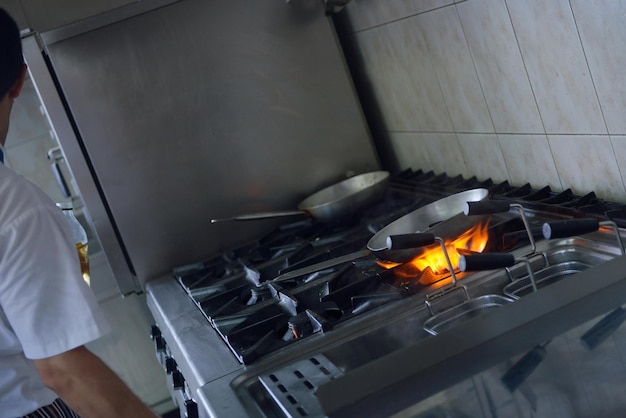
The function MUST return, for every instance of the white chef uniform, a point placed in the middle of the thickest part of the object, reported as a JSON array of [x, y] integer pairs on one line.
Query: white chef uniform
[[46, 308]]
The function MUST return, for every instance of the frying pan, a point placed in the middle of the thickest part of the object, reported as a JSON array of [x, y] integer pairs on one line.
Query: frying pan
[[333, 201], [443, 218]]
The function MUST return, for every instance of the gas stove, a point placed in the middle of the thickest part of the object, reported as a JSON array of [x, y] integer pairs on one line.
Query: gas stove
[[256, 314], [283, 306]]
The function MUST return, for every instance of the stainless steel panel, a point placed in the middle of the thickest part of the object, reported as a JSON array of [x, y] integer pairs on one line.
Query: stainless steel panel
[[58, 118], [202, 109]]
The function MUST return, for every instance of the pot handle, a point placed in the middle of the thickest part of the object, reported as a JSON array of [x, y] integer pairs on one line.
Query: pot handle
[[407, 241], [498, 206], [489, 261], [486, 207], [570, 227]]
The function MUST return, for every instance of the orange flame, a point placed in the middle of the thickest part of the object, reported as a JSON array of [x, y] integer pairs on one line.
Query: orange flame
[[474, 239]]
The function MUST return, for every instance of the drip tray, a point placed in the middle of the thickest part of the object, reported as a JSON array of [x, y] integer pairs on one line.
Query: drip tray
[[545, 277], [469, 309], [293, 387], [561, 263]]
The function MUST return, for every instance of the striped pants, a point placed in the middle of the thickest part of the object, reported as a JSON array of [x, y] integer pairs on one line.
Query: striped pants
[[56, 409]]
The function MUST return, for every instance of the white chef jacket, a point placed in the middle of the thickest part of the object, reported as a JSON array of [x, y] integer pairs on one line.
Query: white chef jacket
[[46, 308]]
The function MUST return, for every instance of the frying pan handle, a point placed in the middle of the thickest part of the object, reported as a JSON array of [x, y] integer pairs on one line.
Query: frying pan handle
[[486, 207], [499, 206], [407, 241], [260, 215], [492, 261], [569, 227], [488, 261]]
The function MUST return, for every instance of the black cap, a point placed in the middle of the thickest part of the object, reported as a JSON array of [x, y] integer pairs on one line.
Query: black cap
[[11, 58]]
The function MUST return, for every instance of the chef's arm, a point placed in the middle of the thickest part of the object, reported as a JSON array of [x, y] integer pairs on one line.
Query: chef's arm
[[89, 386]]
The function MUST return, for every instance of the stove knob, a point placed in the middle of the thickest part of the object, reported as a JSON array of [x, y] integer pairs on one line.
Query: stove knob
[[154, 332], [159, 343], [191, 409], [170, 365], [178, 381]]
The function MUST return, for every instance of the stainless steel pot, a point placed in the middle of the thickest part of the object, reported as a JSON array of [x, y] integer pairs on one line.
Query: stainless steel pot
[[332, 202]]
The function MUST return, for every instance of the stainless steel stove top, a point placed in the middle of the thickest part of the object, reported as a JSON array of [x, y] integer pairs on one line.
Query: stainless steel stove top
[[238, 339]]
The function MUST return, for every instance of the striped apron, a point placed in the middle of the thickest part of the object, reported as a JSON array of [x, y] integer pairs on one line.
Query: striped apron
[[57, 409]]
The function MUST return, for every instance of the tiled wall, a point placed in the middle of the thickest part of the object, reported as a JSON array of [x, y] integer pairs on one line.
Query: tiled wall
[[529, 91]]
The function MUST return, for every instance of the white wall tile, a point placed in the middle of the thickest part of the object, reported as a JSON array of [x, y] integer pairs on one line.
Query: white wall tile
[[601, 25], [376, 56], [587, 163], [397, 9], [520, 51], [417, 97], [556, 65], [399, 93], [455, 70], [365, 14], [422, 6], [509, 96], [619, 147], [529, 160], [483, 156], [407, 153], [444, 153]]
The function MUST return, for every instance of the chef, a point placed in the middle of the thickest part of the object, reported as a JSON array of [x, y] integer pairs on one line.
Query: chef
[[47, 312]]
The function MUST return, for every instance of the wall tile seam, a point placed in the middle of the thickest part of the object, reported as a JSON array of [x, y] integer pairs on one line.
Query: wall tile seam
[[399, 19], [532, 89], [482, 91], [525, 70], [593, 83], [581, 134], [439, 85], [591, 77]]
